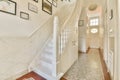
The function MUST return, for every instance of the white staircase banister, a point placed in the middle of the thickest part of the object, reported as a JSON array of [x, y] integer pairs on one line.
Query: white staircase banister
[[55, 44]]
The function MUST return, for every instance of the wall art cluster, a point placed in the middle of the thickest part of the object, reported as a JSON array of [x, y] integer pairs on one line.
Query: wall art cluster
[[10, 7]]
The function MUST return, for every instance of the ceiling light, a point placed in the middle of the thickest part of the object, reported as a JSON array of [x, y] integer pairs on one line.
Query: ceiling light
[[92, 7]]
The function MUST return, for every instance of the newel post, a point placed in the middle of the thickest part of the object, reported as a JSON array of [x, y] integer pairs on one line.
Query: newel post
[[55, 44]]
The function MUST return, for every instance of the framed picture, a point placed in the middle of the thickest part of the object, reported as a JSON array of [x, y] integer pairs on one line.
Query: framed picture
[[111, 14], [50, 1], [53, 2], [47, 6], [36, 1], [32, 8], [24, 15], [8, 7], [81, 23]]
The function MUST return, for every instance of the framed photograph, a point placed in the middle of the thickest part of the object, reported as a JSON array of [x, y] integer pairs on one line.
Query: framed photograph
[[32, 8], [81, 23], [111, 14], [24, 15], [50, 1], [53, 2], [36, 1], [8, 7], [47, 7]]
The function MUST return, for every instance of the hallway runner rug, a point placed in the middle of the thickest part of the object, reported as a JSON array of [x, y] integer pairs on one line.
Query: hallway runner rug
[[31, 76]]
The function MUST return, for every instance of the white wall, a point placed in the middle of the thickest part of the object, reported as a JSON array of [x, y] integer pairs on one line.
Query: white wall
[[82, 39], [110, 38], [112, 29], [21, 40], [117, 70], [82, 47], [19, 27]]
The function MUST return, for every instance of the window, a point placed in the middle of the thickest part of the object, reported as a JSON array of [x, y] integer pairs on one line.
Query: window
[[94, 22]]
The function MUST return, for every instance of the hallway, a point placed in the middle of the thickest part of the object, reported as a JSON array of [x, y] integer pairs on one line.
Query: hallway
[[44, 37], [88, 67]]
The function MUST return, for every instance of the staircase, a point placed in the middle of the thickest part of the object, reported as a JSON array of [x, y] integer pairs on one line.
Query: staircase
[[47, 61], [43, 63]]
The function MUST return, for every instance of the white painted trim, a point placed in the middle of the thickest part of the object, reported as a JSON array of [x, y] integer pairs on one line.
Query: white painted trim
[[59, 76], [55, 44], [117, 56]]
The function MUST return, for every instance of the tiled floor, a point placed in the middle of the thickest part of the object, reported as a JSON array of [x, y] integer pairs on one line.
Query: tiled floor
[[88, 67]]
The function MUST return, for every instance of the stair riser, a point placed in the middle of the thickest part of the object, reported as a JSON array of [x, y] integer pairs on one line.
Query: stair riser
[[45, 64]]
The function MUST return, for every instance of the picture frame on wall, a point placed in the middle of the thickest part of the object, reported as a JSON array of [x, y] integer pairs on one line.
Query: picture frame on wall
[[8, 7], [50, 1], [53, 2], [24, 15], [81, 23], [47, 7], [36, 1], [32, 8]]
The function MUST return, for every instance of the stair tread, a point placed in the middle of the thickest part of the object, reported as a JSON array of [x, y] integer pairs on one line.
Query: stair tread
[[48, 60], [45, 64], [46, 54], [44, 69], [50, 44], [48, 49]]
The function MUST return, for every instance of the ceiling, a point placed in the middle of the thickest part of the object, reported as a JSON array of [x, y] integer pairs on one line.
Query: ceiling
[[96, 12], [98, 2]]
